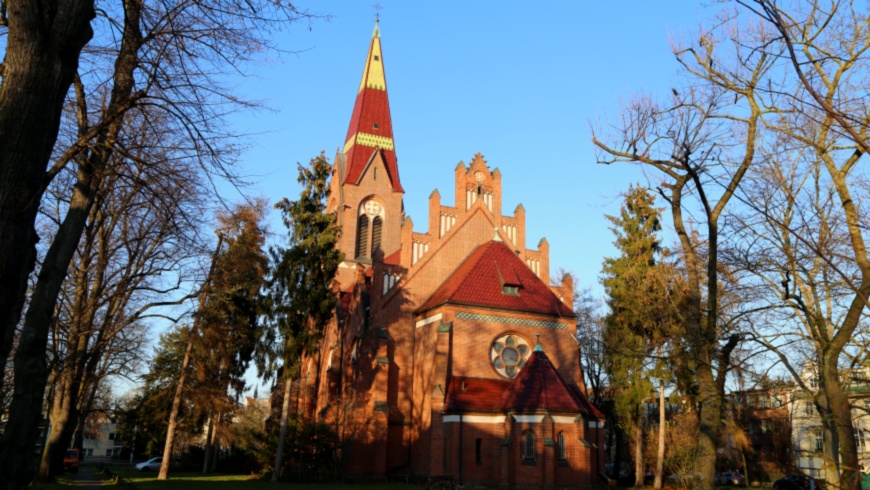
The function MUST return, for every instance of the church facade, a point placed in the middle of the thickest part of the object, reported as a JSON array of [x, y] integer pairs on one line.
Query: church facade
[[450, 354]]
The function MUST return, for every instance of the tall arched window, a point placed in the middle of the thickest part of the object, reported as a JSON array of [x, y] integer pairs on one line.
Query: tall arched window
[[561, 452], [529, 447], [362, 237], [376, 233]]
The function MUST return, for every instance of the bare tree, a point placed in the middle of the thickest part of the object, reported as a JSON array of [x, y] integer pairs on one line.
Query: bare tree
[[793, 247], [701, 144], [166, 56], [137, 250], [823, 125]]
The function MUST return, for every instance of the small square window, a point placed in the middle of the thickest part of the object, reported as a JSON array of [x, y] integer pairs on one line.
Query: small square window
[[511, 290], [375, 126], [377, 57]]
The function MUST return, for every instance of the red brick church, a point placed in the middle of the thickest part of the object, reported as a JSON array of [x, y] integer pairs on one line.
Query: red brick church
[[450, 353]]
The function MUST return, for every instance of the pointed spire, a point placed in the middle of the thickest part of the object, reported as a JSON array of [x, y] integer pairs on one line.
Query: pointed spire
[[371, 129]]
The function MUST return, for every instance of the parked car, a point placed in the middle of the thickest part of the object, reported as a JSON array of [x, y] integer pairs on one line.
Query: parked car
[[152, 464], [730, 478], [794, 481], [71, 460]]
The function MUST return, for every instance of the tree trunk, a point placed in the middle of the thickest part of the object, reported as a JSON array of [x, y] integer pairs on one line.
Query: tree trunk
[[841, 416], [617, 462], [215, 445], [708, 429], [282, 434], [206, 460], [179, 389], [638, 449], [176, 405], [830, 453], [58, 439], [43, 43], [660, 456]]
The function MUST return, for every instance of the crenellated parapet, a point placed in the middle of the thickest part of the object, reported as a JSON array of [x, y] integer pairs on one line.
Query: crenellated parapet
[[476, 189]]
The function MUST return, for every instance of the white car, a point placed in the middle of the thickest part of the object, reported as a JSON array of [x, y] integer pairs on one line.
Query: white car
[[152, 464]]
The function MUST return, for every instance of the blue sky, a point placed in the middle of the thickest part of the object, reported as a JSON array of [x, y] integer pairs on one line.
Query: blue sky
[[519, 82]]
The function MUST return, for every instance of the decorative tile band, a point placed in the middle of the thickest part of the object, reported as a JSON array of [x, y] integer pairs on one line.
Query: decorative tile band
[[371, 140], [525, 322], [375, 141]]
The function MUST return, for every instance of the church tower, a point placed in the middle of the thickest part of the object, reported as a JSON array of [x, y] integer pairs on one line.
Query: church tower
[[450, 352], [366, 190]]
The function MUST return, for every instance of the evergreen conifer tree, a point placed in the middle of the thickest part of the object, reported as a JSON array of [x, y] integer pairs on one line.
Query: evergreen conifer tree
[[229, 326], [640, 311], [300, 298]]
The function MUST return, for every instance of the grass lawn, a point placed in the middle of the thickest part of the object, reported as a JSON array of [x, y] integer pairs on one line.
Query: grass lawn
[[194, 480]]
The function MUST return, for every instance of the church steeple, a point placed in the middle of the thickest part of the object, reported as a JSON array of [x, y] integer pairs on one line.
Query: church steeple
[[371, 130]]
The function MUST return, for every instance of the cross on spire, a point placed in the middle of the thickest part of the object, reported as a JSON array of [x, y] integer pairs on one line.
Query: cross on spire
[[377, 6]]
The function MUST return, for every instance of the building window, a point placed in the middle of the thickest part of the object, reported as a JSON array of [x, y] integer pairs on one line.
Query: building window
[[377, 57], [362, 237], [764, 401], [561, 452], [820, 440], [808, 409], [511, 290], [778, 401], [814, 382], [529, 447], [753, 427], [113, 436], [478, 456], [859, 440], [374, 125], [376, 233], [113, 452], [88, 451], [509, 354]]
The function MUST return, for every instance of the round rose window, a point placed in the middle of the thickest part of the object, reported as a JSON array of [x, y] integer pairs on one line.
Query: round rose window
[[509, 354]]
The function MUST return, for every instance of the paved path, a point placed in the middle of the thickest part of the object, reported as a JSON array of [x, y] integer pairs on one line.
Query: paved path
[[88, 479]]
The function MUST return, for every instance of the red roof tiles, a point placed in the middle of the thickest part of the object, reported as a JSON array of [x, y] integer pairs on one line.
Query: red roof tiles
[[537, 388], [480, 281], [474, 394], [394, 258]]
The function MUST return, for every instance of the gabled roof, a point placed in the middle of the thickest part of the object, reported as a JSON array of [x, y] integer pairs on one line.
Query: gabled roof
[[537, 388], [371, 129], [480, 281]]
